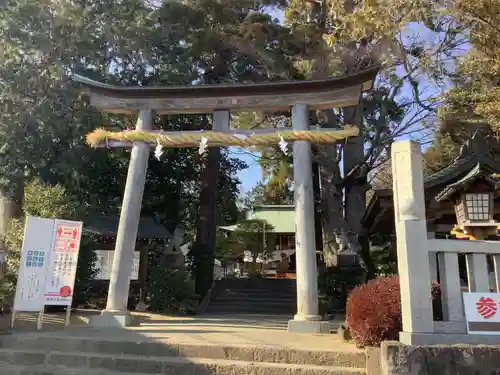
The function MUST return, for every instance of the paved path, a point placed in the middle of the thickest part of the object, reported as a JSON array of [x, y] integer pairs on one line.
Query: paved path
[[235, 330]]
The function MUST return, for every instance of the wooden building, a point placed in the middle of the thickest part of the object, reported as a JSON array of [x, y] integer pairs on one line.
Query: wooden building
[[462, 202], [105, 229], [471, 174]]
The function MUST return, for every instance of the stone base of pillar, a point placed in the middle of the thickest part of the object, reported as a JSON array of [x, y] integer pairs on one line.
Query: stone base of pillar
[[111, 319], [308, 326]]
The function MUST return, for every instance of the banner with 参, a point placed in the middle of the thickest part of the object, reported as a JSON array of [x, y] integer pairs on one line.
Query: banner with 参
[[482, 312]]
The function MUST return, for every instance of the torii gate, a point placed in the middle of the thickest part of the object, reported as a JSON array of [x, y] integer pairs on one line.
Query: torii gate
[[299, 96]]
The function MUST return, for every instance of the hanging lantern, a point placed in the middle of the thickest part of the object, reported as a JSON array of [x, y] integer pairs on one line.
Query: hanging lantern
[[474, 208]]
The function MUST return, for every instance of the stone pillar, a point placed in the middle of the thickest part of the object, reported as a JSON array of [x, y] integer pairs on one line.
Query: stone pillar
[[307, 319], [116, 313], [411, 236]]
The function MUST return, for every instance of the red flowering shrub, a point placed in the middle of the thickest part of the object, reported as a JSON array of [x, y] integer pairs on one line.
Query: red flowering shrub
[[374, 311]]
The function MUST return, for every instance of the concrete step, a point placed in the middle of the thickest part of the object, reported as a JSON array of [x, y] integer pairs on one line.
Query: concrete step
[[56, 370], [252, 300], [262, 282], [34, 349], [235, 309], [24, 362], [269, 296], [258, 291]]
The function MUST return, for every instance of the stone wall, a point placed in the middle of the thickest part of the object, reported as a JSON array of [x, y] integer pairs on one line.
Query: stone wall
[[398, 359]]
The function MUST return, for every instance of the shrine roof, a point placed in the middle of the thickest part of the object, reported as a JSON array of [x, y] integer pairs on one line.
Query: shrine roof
[[474, 174], [280, 217], [474, 161], [475, 153], [107, 226]]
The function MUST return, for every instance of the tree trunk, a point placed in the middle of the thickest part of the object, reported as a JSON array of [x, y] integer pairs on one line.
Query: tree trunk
[[203, 250], [10, 207], [332, 216], [355, 187]]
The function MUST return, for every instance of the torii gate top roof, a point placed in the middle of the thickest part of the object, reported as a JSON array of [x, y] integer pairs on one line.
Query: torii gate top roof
[[319, 94]]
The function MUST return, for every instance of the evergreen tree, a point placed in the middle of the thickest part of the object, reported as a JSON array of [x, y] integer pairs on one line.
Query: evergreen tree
[[45, 120]]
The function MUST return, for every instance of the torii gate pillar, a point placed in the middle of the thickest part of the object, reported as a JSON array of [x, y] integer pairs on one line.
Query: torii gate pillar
[[116, 313], [307, 319]]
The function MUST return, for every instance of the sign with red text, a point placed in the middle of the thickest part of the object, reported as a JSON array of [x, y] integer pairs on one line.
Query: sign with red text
[[63, 261], [482, 313]]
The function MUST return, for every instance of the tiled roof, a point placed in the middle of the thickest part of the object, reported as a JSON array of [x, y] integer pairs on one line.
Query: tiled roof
[[105, 225], [475, 157]]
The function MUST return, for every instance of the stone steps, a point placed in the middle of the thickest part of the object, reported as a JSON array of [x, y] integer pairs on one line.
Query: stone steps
[[254, 309], [260, 298], [263, 293], [257, 298], [241, 301], [55, 370], [254, 297], [107, 365], [63, 355], [23, 345]]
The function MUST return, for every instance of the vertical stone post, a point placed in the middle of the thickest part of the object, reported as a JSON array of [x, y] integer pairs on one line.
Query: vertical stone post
[[411, 239], [307, 319], [116, 313]]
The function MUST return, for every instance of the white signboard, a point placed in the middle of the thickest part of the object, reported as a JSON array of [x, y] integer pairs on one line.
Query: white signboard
[[49, 258], [104, 264], [63, 260], [482, 313], [37, 246]]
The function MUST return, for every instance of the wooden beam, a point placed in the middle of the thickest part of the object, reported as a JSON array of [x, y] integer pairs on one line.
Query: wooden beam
[[318, 94], [101, 138], [334, 99]]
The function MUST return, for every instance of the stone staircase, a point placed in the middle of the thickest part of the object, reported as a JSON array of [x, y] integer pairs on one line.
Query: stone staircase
[[254, 296], [59, 353]]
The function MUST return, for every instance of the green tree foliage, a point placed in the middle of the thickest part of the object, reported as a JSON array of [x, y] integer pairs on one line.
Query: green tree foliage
[[255, 236], [222, 41], [353, 40], [478, 77], [131, 42], [264, 193], [474, 100], [226, 251], [171, 290]]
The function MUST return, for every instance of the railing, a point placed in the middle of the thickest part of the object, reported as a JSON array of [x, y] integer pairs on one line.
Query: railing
[[478, 280], [416, 254]]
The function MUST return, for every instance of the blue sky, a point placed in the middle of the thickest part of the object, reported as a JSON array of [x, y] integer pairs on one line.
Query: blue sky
[[250, 176]]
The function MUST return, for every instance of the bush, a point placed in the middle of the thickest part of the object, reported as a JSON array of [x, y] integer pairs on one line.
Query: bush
[[335, 284], [374, 311], [171, 290], [86, 270]]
